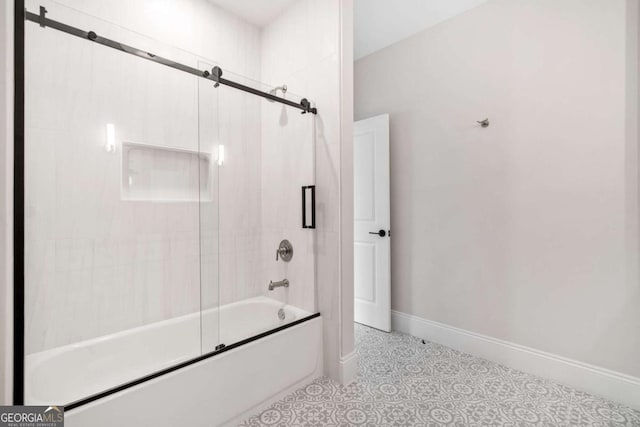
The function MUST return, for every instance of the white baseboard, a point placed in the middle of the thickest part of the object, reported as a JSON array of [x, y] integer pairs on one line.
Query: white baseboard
[[348, 368], [609, 384]]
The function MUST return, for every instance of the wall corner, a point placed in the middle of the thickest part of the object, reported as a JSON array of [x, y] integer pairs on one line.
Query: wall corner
[[346, 187]]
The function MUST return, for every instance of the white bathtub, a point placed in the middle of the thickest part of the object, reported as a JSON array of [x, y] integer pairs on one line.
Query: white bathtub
[[67, 374]]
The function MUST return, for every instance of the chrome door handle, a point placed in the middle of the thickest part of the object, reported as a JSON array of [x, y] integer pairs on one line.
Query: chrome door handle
[[380, 233]]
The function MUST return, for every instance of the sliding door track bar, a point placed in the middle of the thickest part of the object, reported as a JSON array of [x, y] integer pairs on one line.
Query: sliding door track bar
[[214, 75]]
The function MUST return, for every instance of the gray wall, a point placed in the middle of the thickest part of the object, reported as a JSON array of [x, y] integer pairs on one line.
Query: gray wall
[[525, 231]]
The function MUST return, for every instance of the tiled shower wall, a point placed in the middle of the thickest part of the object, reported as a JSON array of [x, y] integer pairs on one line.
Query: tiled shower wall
[[287, 164], [300, 48], [303, 48], [97, 264]]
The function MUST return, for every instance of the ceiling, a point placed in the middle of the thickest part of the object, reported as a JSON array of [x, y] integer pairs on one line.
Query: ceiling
[[377, 23], [256, 12], [380, 23]]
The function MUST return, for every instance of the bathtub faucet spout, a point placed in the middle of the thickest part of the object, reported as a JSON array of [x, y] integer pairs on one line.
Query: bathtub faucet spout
[[282, 283]]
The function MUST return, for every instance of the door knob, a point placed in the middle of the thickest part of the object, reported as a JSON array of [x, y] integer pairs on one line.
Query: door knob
[[380, 233]]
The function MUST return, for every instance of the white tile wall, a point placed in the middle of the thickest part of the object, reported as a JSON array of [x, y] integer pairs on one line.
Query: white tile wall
[[98, 264], [287, 165], [301, 48]]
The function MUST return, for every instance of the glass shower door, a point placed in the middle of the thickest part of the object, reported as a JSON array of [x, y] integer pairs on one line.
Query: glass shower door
[[212, 147], [269, 155], [119, 170], [164, 213]]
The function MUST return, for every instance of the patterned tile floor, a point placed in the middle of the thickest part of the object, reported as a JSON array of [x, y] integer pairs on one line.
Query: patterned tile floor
[[403, 381]]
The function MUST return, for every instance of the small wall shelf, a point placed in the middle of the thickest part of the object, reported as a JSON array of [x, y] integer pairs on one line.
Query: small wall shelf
[[165, 174]]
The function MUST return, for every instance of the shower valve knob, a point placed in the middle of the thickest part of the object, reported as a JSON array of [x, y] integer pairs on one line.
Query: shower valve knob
[[284, 251]]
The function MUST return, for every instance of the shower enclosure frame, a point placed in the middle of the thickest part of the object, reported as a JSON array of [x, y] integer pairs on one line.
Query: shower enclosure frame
[[18, 203], [21, 16]]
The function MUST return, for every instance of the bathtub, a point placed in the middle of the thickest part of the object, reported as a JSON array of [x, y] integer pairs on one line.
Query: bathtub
[[214, 391]]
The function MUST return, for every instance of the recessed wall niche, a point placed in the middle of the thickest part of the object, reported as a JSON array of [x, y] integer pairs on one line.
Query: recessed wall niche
[[155, 173]]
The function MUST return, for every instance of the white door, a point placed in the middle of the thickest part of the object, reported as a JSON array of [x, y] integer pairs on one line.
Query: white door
[[372, 222]]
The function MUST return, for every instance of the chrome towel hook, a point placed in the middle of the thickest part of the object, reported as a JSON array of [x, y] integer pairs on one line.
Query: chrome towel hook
[[484, 123]]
